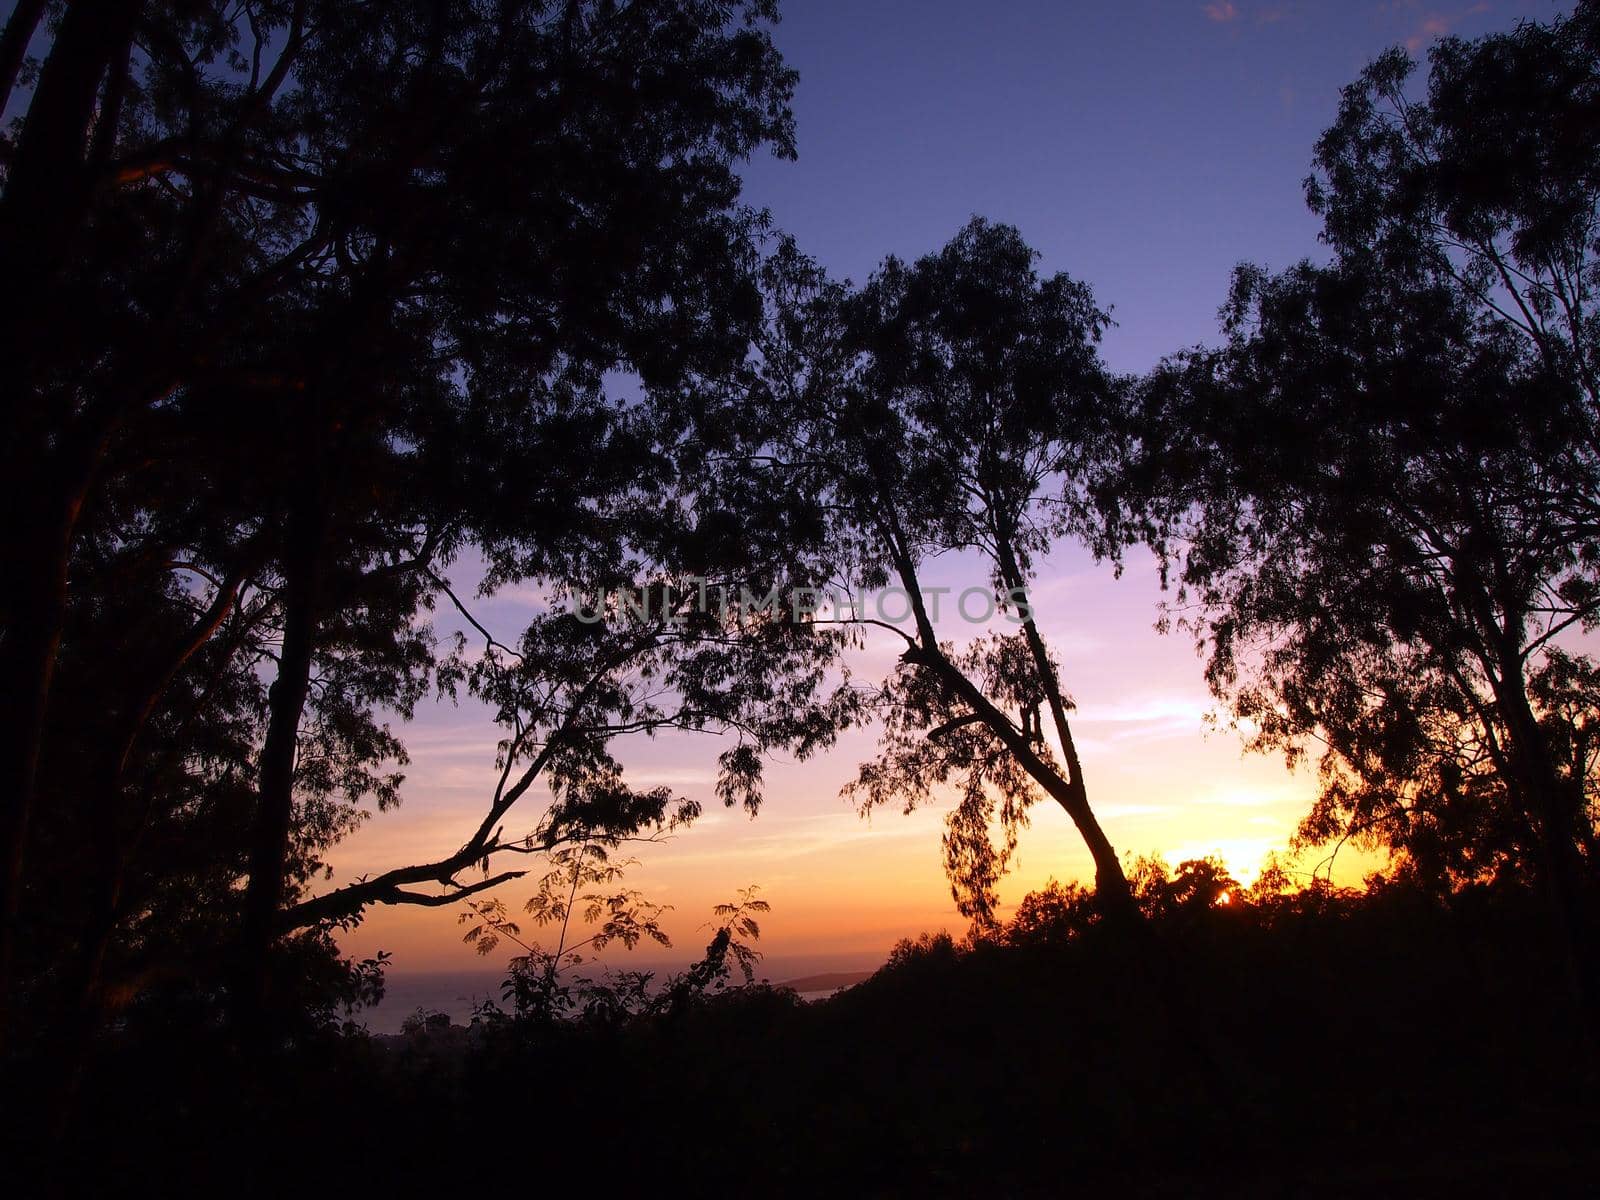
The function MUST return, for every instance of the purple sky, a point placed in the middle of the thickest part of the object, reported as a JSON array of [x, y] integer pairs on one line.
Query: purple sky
[[1144, 146]]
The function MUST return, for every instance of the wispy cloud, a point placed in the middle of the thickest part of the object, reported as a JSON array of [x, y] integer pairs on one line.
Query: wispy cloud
[[779, 839], [670, 776], [1438, 24], [1145, 718], [1222, 11]]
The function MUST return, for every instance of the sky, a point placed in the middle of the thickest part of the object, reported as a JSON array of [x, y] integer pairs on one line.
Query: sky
[[1144, 147]]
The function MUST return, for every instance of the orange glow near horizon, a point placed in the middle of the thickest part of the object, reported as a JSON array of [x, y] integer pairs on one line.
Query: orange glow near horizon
[[847, 886]]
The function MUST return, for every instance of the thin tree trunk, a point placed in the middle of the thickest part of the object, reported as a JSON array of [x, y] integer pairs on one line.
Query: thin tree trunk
[[269, 850], [117, 835], [1528, 768], [1111, 884]]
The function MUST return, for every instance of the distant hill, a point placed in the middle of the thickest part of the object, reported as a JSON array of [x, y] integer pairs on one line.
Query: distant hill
[[830, 981]]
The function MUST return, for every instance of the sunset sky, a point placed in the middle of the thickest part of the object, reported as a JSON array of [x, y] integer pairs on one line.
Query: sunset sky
[[1144, 147]]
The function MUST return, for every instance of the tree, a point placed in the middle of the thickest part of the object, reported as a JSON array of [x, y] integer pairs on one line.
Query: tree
[[1381, 494], [331, 293], [952, 405], [543, 984]]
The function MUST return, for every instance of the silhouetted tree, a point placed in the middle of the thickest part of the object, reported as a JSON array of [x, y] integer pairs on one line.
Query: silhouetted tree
[[1382, 491], [955, 404], [545, 983], [330, 294]]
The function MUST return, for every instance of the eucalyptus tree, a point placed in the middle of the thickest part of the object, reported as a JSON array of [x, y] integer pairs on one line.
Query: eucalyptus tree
[[331, 293], [954, 405], [1380, 495]]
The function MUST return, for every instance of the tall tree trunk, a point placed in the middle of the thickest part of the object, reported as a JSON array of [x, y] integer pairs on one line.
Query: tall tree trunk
[[39, 552], [14, 41], [42, 210], [48, 186], [1555, 819], [269, 843]]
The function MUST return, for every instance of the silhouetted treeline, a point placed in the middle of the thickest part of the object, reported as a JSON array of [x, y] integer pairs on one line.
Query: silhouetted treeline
[[1380, 1042]]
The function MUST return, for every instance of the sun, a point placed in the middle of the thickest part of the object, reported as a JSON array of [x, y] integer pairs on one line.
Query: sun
[[1243, 857]]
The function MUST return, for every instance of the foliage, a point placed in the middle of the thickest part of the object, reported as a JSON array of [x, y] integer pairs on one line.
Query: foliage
[[1051, 915], [954, 404], [326, 302], [544, 984], [425, 1020], [1379, 495], [736, 922]]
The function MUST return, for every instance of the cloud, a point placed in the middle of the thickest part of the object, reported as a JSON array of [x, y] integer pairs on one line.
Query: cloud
[[785, 839], [1141, 718], [1250, 797], [1437, 25], [1222, 11], [640, 777]]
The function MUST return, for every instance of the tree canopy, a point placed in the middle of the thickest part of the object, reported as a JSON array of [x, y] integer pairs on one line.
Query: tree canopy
[[956, 404], [332, 296], [1379, 495]]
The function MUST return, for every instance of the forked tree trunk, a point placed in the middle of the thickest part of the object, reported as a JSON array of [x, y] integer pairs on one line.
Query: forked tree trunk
[[1111, 883], [1112, 892]]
